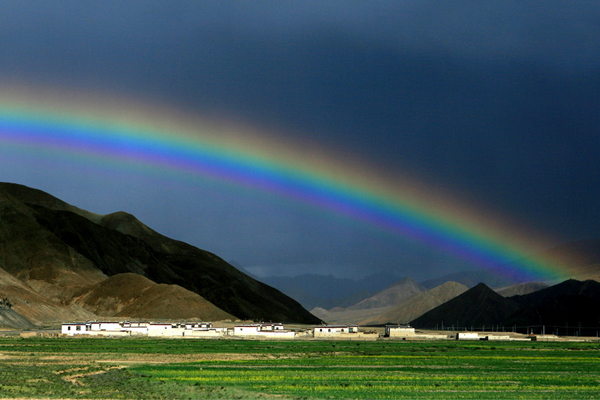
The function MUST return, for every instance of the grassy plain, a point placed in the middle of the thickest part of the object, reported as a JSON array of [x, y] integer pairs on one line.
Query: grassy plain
[[146, 368]]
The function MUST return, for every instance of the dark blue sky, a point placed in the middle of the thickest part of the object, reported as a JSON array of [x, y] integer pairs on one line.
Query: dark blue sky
[[495, 104]]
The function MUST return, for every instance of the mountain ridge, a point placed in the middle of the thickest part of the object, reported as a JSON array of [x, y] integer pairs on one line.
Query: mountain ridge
[[69, 249], [571, 302]]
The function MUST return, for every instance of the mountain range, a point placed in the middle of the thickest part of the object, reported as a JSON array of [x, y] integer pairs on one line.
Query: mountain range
[[407, 300], [328, 291], [572, 303], [59, 262]]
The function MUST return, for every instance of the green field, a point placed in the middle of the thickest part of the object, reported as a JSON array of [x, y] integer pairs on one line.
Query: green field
[[196, 369]]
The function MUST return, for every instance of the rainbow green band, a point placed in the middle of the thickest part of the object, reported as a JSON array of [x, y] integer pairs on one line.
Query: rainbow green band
[[186, 149]]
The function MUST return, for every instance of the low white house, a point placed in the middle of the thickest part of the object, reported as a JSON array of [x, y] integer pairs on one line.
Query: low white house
[[200, 329], [205, 332], [272, 327], [74, 328], [198, 325], [467, 336], [497, 337], [335, 330], [395, 331], [409, 333], [105, 328], [161, 330], [263, 331], [246, 330]]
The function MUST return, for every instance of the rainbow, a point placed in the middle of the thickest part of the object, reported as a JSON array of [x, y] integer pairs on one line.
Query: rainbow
[[168, 140]]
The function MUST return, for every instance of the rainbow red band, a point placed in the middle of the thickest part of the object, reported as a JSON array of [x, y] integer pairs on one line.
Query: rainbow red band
[[185, 151]]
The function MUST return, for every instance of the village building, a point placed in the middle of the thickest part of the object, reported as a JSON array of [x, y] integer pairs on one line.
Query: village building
[[334, 330], [398, 331], [346, 332], [74, 328], [467, 336], [162, 329], [202, 329], [405, 332], [263, 331], [105, 328]]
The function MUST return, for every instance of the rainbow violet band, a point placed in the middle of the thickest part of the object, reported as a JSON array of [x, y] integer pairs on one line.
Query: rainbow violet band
[[185, 151]]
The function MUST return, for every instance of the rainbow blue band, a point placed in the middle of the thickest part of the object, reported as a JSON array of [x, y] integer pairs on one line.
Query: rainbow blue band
[[183, 151]]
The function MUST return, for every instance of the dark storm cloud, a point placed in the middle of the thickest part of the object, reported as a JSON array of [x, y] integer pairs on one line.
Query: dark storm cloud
[[495, 102]]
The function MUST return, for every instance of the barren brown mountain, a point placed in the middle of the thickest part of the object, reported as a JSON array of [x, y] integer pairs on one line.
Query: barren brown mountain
[[371, 307], [131, 296], [418, 304], [59, 255], [391, 296]]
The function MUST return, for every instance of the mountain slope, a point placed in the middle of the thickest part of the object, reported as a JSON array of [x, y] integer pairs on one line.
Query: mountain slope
[[391, 296], [472, 278], [477, 306], [34, 307], [59, 250], [418, 304], [570, 303], [521, 289], [131, 296]]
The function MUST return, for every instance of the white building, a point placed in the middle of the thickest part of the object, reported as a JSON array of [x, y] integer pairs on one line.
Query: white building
[[409, 333], [74, 328], [467, 336], [105, 328], [395, 331], [200, 329], [263, 331], [161, 330], [335, 330]]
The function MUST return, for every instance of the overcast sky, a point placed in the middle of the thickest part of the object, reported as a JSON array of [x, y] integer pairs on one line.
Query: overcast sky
[[496, 104]]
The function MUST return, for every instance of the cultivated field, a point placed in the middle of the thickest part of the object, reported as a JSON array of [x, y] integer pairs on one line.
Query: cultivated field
[[196, 369]]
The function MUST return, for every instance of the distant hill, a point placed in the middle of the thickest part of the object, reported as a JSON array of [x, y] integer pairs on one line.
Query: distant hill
[[328, 291], [478, 306], [472, 278], [571, 304], [371, 307], [344, 316], [417, 305], [390, 296], [56, 252], [521, 289]]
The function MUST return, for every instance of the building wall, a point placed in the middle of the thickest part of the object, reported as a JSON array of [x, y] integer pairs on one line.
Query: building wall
[[327, 331], [73, 329], [400, 332], [467, 336], [246, 330]]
